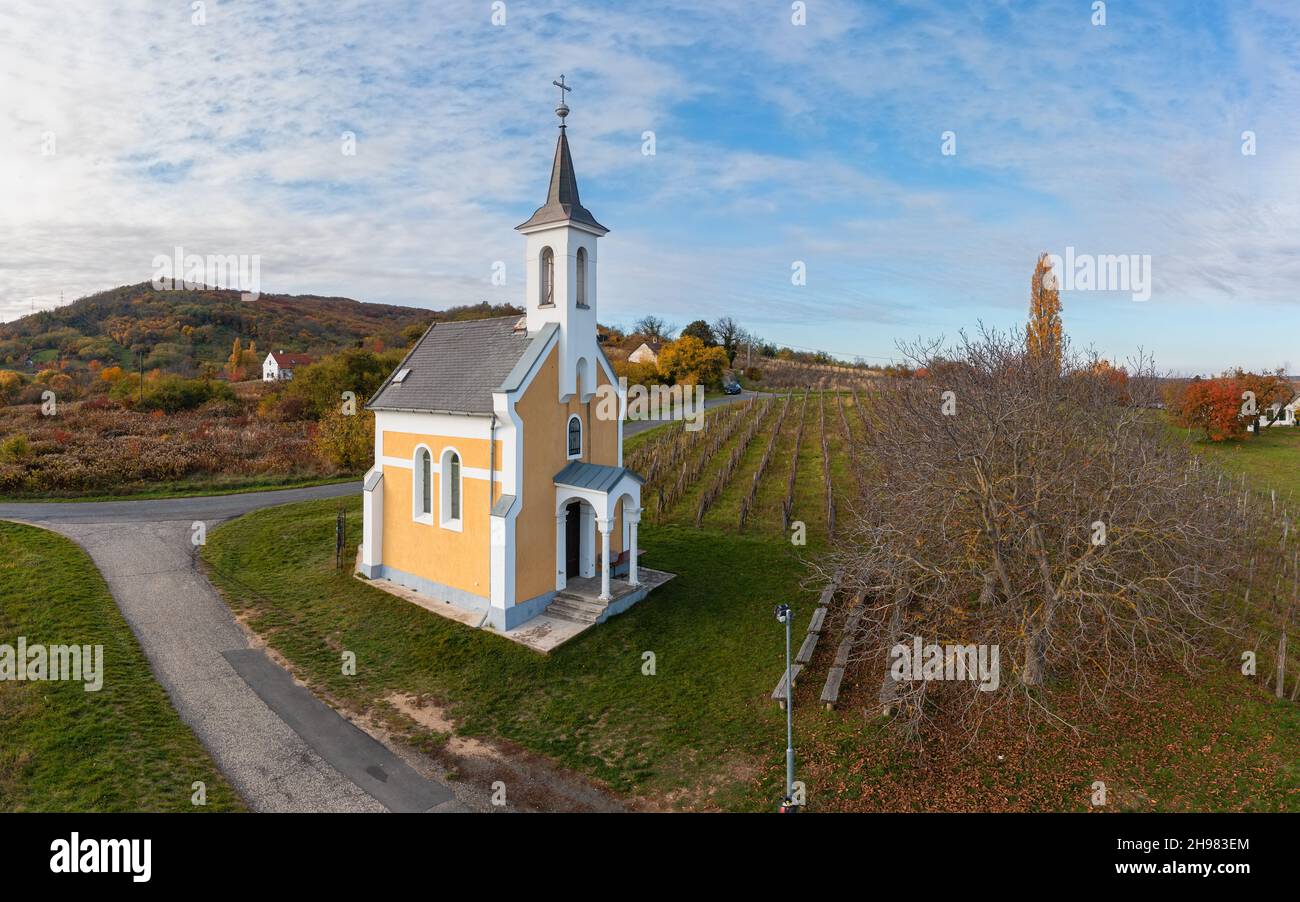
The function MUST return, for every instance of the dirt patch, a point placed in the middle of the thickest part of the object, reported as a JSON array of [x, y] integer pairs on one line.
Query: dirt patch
[[530, 782]]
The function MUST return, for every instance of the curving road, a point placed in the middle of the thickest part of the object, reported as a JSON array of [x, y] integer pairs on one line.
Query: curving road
[[280, 747], [632, 427]]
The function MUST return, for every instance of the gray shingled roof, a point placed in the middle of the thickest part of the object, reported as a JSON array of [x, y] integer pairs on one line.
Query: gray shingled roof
[[562, 203], [456, 367], [597, 477]]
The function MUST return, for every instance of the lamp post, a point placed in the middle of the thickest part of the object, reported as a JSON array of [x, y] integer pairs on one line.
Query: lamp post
[[785, 615]]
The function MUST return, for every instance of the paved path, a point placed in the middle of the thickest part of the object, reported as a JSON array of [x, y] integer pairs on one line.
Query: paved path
[[632, 427], [281, 748]]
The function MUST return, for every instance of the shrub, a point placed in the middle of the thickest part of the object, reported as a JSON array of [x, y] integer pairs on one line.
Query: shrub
[[347, 442], [14, 448], [172, 394]]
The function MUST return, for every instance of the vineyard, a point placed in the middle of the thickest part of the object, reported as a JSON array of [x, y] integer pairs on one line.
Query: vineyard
[[758, 467]]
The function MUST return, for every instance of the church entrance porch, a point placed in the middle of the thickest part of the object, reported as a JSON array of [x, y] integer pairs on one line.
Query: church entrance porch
[[591, 502]]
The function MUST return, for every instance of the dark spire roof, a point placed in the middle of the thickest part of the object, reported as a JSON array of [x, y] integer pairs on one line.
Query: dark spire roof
[[562, 204]]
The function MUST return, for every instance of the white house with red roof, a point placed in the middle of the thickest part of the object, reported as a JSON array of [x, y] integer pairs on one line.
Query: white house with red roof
[[279, 365]]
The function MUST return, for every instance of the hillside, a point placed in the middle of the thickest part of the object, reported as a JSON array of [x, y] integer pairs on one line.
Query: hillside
[[180, 330]]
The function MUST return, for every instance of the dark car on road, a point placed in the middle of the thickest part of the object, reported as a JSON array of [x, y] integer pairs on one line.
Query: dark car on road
[[730, 386]]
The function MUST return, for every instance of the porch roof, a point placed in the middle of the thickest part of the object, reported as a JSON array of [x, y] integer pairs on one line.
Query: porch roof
[[594, 477]]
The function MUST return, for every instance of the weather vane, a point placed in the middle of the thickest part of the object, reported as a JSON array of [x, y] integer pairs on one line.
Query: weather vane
[[563, 109]]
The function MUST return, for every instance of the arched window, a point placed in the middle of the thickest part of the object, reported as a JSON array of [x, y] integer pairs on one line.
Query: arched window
[[547, 263], [450, 489], [582, 277], [423, 483], [575, 437]]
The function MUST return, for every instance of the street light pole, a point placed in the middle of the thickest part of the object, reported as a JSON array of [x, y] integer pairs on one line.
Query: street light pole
[[785, 615]]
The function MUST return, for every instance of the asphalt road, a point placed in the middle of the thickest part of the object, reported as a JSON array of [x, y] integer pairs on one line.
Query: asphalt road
[[280, 747], [632, 427]]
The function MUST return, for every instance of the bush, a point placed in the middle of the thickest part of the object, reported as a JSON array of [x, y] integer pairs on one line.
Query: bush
[[348, 442], [172, 394], [14, 448]]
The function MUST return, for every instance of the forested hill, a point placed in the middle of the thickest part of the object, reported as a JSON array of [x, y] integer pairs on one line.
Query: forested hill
[[179, 330]]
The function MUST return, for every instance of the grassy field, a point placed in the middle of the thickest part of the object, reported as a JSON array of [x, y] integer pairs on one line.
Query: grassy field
[[62, 748], [697, 728], [1270, 460], [703, 733]]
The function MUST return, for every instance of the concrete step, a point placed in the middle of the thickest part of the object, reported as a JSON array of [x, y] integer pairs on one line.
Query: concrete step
[[573, 607]]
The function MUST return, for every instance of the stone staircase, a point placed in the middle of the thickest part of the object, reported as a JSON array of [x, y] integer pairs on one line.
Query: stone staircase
[[577, 608]]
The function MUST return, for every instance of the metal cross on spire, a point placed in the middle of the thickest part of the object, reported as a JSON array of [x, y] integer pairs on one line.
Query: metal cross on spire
[[563, 109]]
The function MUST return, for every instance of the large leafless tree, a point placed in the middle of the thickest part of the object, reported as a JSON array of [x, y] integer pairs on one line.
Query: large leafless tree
[[1039, 507]]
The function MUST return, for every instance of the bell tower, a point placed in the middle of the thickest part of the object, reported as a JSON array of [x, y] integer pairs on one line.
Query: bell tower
[[560, 262]]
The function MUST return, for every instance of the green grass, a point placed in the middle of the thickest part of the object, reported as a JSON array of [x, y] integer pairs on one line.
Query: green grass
[[703, 732], [701, 724], [1270, 460], [62, 748], [191, 488]]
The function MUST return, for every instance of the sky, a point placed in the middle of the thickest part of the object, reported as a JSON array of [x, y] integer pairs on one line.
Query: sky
[[784, 134]]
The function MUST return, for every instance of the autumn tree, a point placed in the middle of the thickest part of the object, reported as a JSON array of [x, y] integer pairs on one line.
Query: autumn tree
[[687, 361], [1211, 406], [1043, 336], [347, 441], [235, 363]]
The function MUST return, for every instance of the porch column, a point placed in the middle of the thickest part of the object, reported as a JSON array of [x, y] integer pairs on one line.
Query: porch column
[[633, 518], [604, 558], [560, 538]]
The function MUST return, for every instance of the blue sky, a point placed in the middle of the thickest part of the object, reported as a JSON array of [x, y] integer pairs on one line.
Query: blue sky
[[774, 143]]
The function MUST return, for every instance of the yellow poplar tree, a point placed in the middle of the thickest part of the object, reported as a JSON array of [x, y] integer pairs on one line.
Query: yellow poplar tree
[[1043, 337], [235, 364]]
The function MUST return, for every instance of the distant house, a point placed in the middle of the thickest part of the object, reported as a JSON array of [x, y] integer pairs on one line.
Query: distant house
[[648, 352], [1280, 414], [279, 366]]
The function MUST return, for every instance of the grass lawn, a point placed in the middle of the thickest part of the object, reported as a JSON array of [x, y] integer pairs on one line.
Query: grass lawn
[[698, 728], [1270, 460], [702, 732], [62, 748]]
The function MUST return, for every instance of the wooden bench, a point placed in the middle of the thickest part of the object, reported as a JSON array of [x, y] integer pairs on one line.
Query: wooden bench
[[831, 691], [806, 650], [818, 618], [827, 594], [782, 690]]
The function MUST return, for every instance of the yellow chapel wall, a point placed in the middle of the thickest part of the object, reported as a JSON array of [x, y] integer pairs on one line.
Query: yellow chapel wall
[[545, 438], [459, 559]]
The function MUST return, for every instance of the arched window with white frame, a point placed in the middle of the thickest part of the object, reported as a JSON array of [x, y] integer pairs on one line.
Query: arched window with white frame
[[581, 277], [546, 282], [422, 485], [575, 437], [450, 494]]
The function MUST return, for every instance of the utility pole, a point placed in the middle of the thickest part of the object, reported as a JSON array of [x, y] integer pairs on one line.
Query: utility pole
[[785, 615]]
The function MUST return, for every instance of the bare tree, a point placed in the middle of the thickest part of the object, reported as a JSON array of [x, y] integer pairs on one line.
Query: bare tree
[[654, 328], [728, 333], [1037, 508]]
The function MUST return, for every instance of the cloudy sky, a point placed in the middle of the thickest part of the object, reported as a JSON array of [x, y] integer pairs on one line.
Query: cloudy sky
[[130, 128]]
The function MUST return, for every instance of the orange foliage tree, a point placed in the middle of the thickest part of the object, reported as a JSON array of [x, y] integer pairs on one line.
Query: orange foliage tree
[[1212, 406], [1043, 336]]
